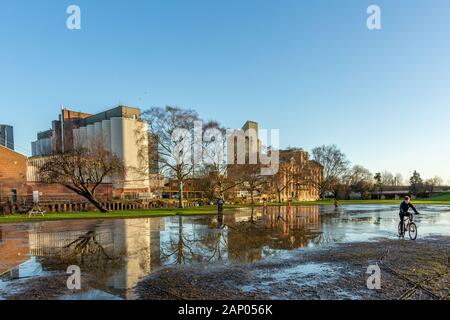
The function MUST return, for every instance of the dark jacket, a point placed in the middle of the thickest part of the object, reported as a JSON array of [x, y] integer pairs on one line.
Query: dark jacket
[[404, 207]]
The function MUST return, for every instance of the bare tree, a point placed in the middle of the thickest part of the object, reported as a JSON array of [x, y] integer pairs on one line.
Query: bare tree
[[292, 171], [335, 166], [398, 179], [280, 181], [82, 171], [387, 179], [174, 128], [214, 166], [431, 184], [252, 180], [360, 179]]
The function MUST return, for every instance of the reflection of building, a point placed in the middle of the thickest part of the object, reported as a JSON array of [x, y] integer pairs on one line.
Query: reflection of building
[[7, 136], [281, 228], [12, 175], [135, 243], [14, 249], [119, 130]]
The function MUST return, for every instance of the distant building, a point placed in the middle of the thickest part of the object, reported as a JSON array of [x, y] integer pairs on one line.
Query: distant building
[[298, 176], [120, 130], [7, 136]]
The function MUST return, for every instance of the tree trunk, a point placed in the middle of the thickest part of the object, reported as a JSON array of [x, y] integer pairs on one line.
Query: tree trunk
[[96, 203], [180, 195], [252, 197], [279, 196]]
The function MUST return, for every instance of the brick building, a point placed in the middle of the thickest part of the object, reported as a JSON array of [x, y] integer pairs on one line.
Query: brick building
[[13, 175], [298, 177]]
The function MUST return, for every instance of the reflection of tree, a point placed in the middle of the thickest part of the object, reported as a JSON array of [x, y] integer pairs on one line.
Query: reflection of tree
[[181, 248], [87, 245], [280, 228], [86, 252], [216, 244], [247, 240]]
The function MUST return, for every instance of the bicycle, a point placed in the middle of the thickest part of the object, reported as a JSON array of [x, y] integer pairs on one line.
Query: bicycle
[[408, 225]]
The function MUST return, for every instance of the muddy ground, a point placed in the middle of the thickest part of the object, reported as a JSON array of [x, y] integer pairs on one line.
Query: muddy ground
[[409, 270]]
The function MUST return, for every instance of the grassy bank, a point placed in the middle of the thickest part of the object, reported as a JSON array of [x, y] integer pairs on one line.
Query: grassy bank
[[442, 197], [207, 210], [110, 215]]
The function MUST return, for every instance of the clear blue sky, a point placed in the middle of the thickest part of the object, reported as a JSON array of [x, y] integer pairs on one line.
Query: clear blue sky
[[310, 68]]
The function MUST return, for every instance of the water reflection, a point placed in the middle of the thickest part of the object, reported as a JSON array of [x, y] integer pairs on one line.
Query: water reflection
[[119, 253]]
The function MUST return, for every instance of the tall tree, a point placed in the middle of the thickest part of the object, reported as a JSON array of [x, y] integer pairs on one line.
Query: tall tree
[[378, 184], [174, 128], [83, 171], [416, 183], [335, 166]]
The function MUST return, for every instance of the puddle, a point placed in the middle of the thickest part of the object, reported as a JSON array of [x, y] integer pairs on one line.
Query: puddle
[[117, 254]]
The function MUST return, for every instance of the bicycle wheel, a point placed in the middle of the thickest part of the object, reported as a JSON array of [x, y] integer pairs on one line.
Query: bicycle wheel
[[400, 229], [412, 231]]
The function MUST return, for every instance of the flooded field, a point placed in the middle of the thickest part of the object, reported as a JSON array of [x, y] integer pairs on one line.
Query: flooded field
[[264, 253]]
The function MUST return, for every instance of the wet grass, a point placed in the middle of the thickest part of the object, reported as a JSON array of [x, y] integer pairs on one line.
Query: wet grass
[[130, 214]]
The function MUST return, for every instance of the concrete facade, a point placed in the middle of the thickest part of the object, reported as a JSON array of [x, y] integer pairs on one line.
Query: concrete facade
[[118, 130], [7, 136]]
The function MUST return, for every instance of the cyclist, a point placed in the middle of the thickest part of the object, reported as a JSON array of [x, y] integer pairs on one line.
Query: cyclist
[[404, 208]]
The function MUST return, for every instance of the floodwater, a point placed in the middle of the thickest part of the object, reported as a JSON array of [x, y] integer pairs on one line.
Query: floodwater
[[117, 254]]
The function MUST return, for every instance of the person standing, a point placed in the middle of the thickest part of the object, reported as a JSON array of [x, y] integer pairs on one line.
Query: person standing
[[220, 203]]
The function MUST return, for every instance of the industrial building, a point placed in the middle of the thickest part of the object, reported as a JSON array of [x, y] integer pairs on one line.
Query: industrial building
[[120, 131], [7, 136]]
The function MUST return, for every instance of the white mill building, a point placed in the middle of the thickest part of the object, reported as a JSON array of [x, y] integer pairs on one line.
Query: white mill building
[[120, 130]]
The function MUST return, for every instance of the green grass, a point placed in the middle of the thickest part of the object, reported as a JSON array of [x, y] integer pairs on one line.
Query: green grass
[[207, 210], [441, 197], [111, 215]]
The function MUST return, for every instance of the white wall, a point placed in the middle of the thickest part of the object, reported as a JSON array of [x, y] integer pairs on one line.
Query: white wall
[[126, 138]]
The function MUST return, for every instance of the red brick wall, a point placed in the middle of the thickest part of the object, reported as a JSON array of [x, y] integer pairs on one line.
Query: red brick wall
[[13, 173], [56, 192]]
